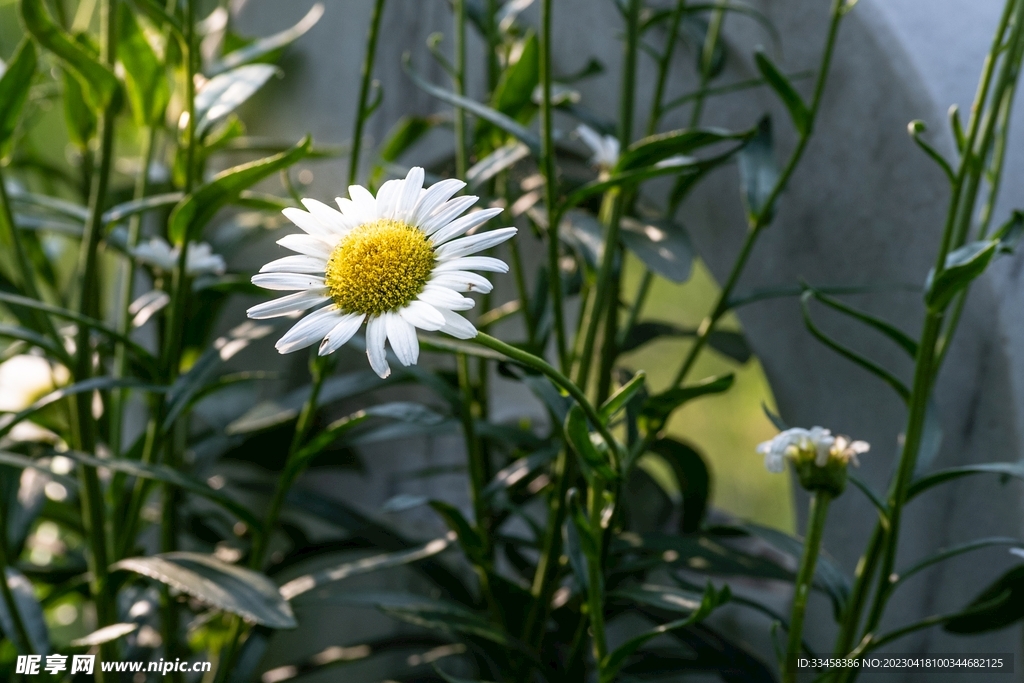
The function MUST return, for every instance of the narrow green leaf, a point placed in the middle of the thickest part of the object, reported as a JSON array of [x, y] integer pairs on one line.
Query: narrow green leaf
[[145, 77], [1010, 232], [995, 608], [14, 88], [79, 116], [503, 158], [502, 121], [593, 461], [98, 82], [759, 172], [778, 82], [193, 212], [916, 128], [223, 94], [620, 398], [692, 477], [962, 266], [227, 587], [30, 611], [1004, 469], [956, 550], [137, 206], [263, 47], [657, 148], [514, 91], [107, 634], [901, 338], [470, 540], [662, 245], [660, 406]]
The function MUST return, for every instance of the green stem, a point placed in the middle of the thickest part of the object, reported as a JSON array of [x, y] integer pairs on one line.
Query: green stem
[[595, 576], [637, 307], [364, 91], [551, 186], [859, 594], [805, 577], [477, 469], [707, 57], [459, 83]]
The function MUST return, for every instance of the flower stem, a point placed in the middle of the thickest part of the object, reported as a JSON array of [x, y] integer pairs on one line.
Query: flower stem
[[595, 574], [805, 577], [459, 83], [364, 91]]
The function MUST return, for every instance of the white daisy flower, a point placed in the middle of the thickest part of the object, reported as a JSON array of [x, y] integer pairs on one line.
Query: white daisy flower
[[398, 261], [817, 444], [161, 255], [604, 147]]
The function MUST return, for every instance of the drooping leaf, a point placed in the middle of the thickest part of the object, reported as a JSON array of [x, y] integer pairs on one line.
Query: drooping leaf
[[223, 94], [263, 47], [962, 266], [30, 611], [778, 82], [145, 77], [196, 210], [99, 84], [663, 246], [15, 84], [225, 586], [1000, 605], [759, 172], [660, 406], [901, 338]]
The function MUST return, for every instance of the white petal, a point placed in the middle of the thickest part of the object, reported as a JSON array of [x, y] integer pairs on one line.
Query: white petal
[[365, 203], [442, 297], [332, 219], [464, 225], [287, 281], [296, 264], [435, 195], [341, 333], [307, 221], [310, 330], [446, 213], [387, 198], [423, 316], [473, 243], [457, 326], [410, 194], [353, 211], [461, 281], [292, 303], [485, 263], [376, 333], [402, 336], [306, 244]]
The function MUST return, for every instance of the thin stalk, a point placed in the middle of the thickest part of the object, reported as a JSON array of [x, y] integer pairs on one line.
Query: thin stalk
[[493, 69], [637, 306], [477, 469], [595, 576], [523, 291], [862, 580], [83, 435], [20, 637], [722, 305], [707, 57], [611, 214], [364, 91], [818, 513], [551, 186], [459, 83]]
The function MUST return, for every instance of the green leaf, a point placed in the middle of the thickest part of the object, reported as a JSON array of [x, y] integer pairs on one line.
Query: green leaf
[[956, 550], [503, 158], [584, 233], [657, 148], [15, 84], [778, 82], [308, 582], [224, 586], [662, 245], [520, 471], [962, 266], [613, 662], [107, 634], [472, 544], [1004, 469], [620, 398], [196, 210], [30, 611], [98, 82], [263, 47], [514, 91], [692, 477], [136, 206], [704, 552], [660, 406], [1009, 233], [759, 172], [145, 78], [729, 343], [901, 338], [593, 461], [998, 606], [79, 116], [502, 121], [668, 598], [223, 94]]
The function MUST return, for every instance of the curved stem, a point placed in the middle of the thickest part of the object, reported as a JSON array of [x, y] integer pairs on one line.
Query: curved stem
[[805, 577], [364, 91]]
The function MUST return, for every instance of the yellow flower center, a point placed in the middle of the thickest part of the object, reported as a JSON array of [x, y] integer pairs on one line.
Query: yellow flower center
[[379, 267]]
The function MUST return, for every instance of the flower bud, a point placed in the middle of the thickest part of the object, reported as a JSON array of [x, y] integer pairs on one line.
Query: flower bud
[[819, 458]]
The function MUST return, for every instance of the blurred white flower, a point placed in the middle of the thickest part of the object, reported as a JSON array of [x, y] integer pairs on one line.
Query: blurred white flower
[[605, 148], [25, 379], [816, 443], [398, 261], [201, 259]]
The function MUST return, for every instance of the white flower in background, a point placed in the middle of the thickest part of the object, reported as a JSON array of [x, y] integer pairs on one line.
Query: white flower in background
[[398, 261], [201, 259], [25, 379], [604, 147], [816, 443]]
